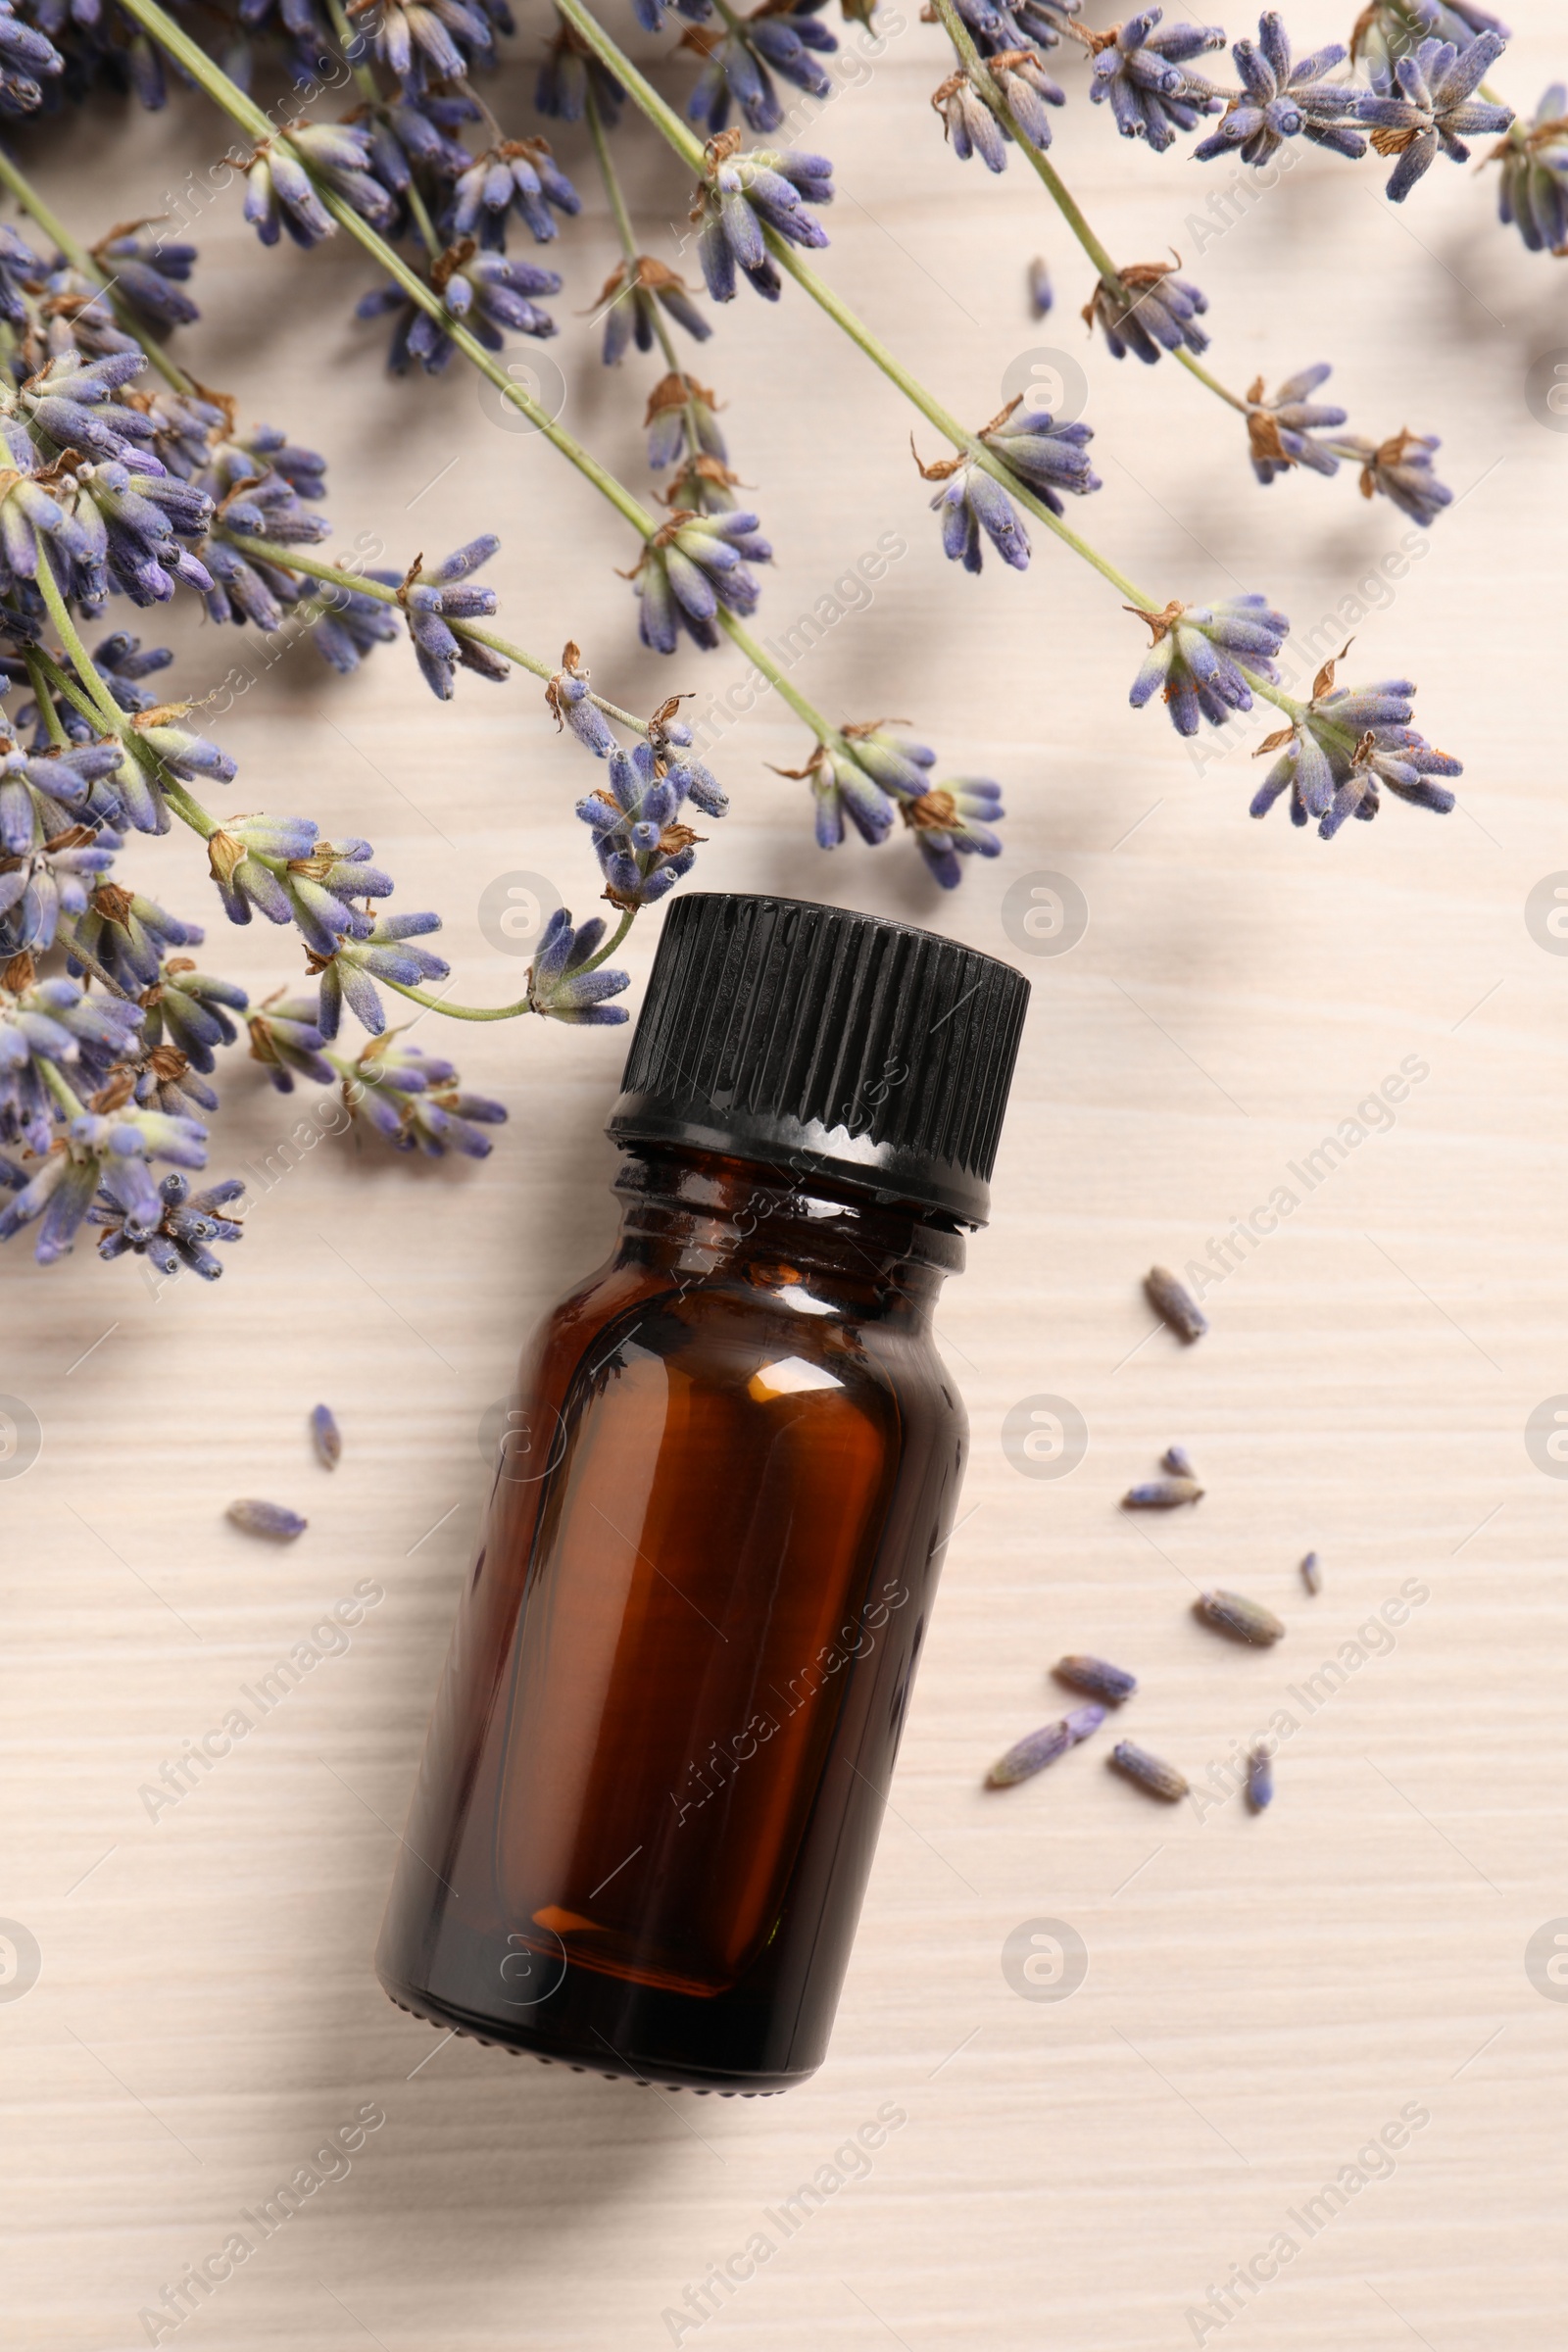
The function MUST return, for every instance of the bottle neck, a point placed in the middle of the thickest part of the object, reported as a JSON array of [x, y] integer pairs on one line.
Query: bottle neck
[[805, 1238]]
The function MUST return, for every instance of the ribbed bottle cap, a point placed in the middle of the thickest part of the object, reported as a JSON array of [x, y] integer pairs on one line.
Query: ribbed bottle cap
[[816, 1038]]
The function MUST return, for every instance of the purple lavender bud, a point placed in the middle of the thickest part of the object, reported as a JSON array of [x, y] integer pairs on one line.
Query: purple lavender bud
[[275, 1520]]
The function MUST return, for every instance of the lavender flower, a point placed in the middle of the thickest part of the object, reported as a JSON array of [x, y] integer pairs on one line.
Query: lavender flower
[[1401, 468], [150, 275], [736, 64], [190, 1009], [287, 1041], [42, 792], [143, 518], [1280, 430], [185, 1223], [127, 935], [570, 73], [968, 123], [1049, 457], [680, 422], [846, 794], [1533, 193], [568, 699], [99, 1147], [650, 14], [418, 1103], [741, 197], [519, 176], [559, 986], [670, 739], [627, 298], [1143, 73], [1346, 745], [50, 882], [281, 865], [484, 292], [1284, 99], [383, 953], [955, 820], [54, 1021], [122, 663], [1195, 654], [419, 37], [72, 401], [1153, 311], [1387, 30], [25, 54], [1426, 102], [972, 500], [691, 566], [642, 848], [352, 626]]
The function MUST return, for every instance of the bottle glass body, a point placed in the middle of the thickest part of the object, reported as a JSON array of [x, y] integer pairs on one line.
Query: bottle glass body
[[657, 1767]]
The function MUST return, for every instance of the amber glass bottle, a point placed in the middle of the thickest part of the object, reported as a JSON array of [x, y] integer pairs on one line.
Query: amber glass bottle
[[657, 1768]]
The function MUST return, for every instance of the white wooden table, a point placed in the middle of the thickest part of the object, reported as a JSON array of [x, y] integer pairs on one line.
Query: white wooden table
[[1262, 1997]]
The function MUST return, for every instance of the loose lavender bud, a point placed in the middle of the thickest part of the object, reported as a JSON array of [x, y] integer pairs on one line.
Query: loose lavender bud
[[1160, 1779], [1283, 98], [1042, 1747], [1242, 1619], [1178, 1462], [1427, 102], [275, 1520], [1111, 1684], [1261, 1778], [1312, 1573], [1174, 1304], [327, 1436], [1161, 1494], [1041, 294]]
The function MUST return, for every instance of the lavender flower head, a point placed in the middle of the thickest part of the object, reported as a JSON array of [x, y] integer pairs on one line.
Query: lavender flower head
[[1349, 743], [1153, 311], [1283, 98], [1142, 69], [744, 195], [559, 985], [1195, 656], [1400, 468], [179, 1234], [781, 35], [1533, 193], [693, 565], [418, 1103], [1047, 457], [1387, 29], [627, 299], [642, 846], [1426, 101], [1280, 430]]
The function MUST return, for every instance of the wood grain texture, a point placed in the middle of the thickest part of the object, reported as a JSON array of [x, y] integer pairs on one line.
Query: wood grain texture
[[1263, 1996]]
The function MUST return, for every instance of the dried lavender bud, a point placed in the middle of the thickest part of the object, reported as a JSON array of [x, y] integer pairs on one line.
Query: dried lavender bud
[[1312, 1573], [1041, 292], [1149, 1772], [1242, 1619], [1043, 1746], [327, 1436], [1174, 1304], [1112, 1683], [271, 1519], [1178, 1462], [1259, 1777], [1160, 1494]]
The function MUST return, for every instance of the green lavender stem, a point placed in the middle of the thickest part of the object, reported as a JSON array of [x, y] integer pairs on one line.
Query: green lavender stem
[[45, 700]]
